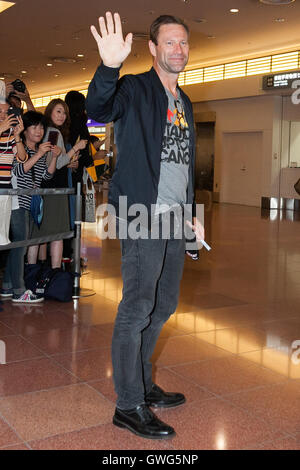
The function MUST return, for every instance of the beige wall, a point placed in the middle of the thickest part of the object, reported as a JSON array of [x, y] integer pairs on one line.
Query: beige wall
[[255, 114], [240, 105]]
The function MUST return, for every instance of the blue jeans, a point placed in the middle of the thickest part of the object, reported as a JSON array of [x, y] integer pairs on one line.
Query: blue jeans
[[151, 271], [20, 223]]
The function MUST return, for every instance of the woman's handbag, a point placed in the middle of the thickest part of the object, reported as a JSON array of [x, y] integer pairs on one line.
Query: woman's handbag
[[88, 199], [37, 209], [5, 211], [36, 205]]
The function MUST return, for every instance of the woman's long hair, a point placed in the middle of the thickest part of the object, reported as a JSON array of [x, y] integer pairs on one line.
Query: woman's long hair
[[76, 104], [65, 128]]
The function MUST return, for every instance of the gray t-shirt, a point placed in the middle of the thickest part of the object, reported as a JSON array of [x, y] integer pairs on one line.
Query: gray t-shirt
[[175, 157]]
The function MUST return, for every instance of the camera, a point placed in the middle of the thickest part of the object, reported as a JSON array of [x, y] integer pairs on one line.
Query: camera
[[19, 85]]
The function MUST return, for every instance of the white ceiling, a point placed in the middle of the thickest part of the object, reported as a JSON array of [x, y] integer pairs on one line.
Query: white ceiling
[[33, 32]]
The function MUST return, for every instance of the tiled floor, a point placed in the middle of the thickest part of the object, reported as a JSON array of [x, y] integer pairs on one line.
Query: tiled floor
[[229, 348]]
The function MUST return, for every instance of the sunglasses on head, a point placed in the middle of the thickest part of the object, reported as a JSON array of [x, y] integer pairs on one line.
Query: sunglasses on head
[[180, 115]]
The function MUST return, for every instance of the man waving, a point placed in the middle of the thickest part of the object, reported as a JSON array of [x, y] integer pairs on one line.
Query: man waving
[[155, 140]]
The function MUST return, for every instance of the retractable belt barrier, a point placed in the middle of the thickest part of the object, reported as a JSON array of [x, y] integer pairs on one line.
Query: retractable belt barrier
[[76, 233], [31, 192], [37, 241]]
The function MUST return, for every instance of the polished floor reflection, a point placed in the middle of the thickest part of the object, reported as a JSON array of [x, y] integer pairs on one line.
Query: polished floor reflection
[[233, 347]]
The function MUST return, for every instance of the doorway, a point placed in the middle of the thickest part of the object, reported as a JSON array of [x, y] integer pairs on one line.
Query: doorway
[[241, 168]]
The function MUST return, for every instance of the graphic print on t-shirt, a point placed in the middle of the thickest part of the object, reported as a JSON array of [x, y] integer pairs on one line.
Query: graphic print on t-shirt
[[176, 115], [175, 156], [176, 138]]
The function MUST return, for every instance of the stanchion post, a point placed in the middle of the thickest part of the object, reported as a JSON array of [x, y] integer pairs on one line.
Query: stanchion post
[[77, 243]]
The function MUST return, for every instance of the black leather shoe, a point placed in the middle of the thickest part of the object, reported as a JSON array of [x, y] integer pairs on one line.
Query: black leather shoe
[[143, 422], [160, 399]]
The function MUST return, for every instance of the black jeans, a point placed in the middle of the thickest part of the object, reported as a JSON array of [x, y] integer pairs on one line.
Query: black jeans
[[151, 271]]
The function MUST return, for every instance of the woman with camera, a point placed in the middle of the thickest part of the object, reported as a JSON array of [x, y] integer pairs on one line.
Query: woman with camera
[[78, 131], [17, 92], [29, 174], [56, 207], [10, 147]]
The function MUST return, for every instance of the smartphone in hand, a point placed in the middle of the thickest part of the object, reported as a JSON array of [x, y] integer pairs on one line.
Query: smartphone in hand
[[15, 112], [53, 137]]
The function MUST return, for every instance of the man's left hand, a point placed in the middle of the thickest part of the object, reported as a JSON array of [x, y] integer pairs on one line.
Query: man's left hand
[[197, 228]]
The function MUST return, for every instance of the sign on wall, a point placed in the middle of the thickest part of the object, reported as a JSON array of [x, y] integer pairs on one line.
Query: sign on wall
[[280, 80]]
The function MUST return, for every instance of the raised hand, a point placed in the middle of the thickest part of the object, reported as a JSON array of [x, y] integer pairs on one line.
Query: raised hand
[[80, 145], [19, 127], [55, 151], [8, 123], [43, 148], [73, 165], [23, 96], [113, 49]]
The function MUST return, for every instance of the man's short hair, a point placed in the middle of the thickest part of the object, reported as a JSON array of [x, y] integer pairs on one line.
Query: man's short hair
[[162, 20]]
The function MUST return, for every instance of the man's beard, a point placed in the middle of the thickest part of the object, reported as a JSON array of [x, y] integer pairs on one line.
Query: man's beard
[[173, 68]]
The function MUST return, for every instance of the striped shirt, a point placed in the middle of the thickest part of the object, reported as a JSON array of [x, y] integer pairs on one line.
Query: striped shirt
[[32, 179], [8, 150]]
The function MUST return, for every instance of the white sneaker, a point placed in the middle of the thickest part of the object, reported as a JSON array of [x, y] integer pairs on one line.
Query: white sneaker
[[28, 297], [5, 293]]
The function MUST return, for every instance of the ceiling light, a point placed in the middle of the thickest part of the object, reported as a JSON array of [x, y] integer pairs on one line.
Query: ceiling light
[[276, 2], [234, 10], [63, 60], [80, 55], [23, 71], [49, 65], [279, 20], [5, 5]]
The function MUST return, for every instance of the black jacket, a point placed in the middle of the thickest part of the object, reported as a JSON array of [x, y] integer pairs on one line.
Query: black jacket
[[138, 105]]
